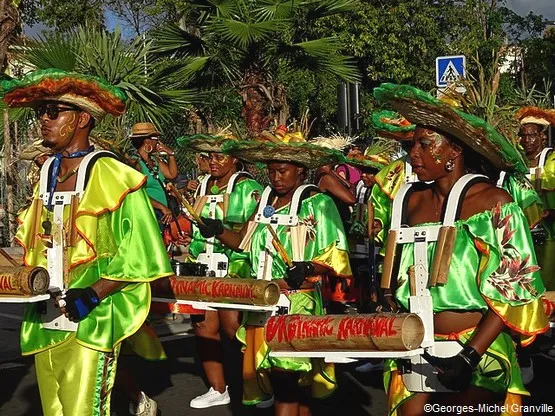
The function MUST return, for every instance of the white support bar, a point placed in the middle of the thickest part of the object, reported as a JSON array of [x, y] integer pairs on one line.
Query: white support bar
[[19, 299], [214, 306], [346, 356]]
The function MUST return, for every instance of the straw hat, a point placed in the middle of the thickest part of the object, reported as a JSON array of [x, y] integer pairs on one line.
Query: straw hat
[[422, 109], [91, 94], [140, 130], [289, 148], [211, 143]]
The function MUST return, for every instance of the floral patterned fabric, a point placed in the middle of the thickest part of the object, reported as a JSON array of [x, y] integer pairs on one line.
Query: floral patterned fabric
[[493, 266]]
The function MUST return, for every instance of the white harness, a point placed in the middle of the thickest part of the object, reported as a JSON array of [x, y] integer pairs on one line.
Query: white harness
[[291, 220], [218, 263], [423, 377], [56, 255], [541, 162]]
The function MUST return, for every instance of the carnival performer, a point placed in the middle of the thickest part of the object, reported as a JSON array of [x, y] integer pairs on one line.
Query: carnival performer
[[145, 138], [534, 122], [361, 236], [91, 226], [238, 195], [391, 125], [339, 294], [493, 283], [317, 246]]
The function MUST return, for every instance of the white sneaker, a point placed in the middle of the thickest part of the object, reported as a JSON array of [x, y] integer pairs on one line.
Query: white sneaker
[[210, 398], [527, 374], [264, 404], [146, 407], [369, 367]]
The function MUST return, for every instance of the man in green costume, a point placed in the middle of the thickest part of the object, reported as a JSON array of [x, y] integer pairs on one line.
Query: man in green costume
[[92, 226]]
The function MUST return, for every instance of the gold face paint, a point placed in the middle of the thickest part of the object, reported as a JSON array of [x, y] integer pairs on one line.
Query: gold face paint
[[433, 145], [219, 158], [67, 128]]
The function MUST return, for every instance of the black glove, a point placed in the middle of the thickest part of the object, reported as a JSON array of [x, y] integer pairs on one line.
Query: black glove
[[211, 227], [455, 372], [80, 302], [297, 273]]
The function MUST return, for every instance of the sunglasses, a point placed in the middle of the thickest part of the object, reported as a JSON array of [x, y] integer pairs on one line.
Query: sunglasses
[[52, 111]]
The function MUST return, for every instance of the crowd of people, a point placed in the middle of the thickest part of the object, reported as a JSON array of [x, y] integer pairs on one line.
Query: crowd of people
[[107, 226]]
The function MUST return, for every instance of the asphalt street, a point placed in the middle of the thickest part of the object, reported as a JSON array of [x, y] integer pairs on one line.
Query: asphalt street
[[173, 383]]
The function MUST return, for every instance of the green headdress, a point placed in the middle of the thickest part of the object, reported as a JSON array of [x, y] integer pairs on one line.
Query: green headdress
[[89, 93], [422, 109]]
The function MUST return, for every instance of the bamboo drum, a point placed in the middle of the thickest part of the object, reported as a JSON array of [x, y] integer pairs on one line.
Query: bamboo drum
[[23, 281], [442, 257], [221, 290], [389, 260], [380, 331]]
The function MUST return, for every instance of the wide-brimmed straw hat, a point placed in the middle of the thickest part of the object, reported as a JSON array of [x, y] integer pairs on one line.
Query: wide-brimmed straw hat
[[422, 109], [283, 147], [536, 115], [376, 156], [91, 94], [204, 143], [392, 125], [143, 129]]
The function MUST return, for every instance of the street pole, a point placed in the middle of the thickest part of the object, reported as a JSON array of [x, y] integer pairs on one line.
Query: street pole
[[9, 178]]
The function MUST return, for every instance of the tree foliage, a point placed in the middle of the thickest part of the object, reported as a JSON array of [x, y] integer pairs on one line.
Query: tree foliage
[[244, 43]]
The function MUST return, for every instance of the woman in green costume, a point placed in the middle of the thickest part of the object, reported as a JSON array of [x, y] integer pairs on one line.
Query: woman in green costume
[[493, 285], [240, 195], [101, 251], [317, 246]]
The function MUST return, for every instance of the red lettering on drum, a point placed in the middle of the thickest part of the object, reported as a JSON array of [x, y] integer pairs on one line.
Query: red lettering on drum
[[351, 327]]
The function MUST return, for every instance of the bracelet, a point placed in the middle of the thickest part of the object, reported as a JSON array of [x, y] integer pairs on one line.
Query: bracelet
[[471, 356], [171, 154]]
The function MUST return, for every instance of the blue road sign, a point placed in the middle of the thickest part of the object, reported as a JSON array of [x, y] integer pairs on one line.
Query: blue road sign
[[449, 69]]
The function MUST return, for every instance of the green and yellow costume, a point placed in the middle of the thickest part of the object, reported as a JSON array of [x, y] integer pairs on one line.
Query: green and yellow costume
[[493, 265], [118, 233], [326, 245], [117, 239], [242, 203]]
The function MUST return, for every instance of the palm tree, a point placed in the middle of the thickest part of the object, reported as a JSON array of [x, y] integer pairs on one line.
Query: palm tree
[[245, 43], [154, 93]]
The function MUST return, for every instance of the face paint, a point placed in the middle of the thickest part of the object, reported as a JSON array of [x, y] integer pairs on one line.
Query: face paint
[[433, 145]]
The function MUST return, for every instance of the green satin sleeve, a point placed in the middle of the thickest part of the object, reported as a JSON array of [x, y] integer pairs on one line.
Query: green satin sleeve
[[242, 203], [326, 241], [140, 255], [382, 211], [493, 266], [524, 194]]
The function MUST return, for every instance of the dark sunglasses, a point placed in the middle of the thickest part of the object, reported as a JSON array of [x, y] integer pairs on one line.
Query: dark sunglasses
[[52, 111]]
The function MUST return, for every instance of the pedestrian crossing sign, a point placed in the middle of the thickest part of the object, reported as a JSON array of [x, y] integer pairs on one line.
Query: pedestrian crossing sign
[[449, 69]]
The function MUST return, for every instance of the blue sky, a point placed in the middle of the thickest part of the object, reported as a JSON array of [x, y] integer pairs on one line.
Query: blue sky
[[522, 7], [543, 7]]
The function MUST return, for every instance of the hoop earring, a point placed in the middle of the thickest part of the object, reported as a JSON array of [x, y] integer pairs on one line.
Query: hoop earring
[[450, 165], [149, 150]]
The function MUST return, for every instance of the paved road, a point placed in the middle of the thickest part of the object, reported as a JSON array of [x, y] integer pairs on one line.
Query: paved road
[[175, 382]]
